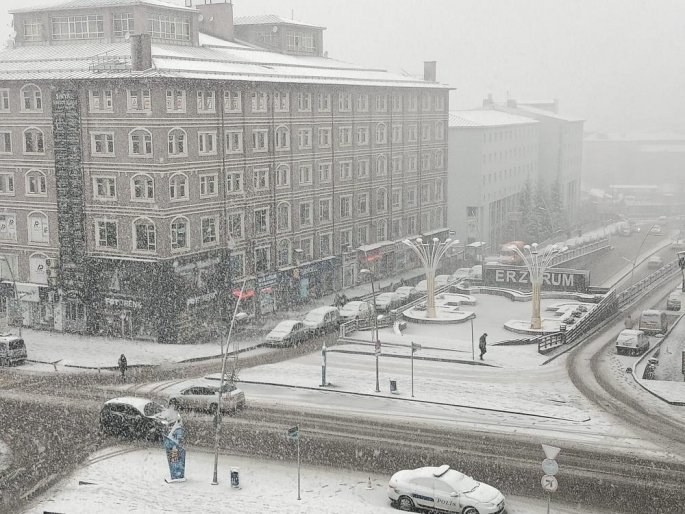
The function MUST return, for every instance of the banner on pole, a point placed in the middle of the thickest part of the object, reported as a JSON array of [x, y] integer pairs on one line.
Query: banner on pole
[[293, 434], [175, 453]]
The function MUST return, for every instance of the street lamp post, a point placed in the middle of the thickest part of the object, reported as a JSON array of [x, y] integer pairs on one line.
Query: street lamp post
[[375, 339], [430, 255], [236, 316], [537, 262], [637, 254]]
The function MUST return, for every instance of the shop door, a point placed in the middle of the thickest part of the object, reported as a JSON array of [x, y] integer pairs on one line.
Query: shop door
[[126, 325]]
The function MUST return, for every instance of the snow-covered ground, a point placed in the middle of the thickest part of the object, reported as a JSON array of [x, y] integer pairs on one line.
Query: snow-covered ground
[[5, 456], [120, 481]]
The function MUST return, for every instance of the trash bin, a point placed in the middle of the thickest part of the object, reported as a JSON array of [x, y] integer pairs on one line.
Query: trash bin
[[393, 386], [235, 478]]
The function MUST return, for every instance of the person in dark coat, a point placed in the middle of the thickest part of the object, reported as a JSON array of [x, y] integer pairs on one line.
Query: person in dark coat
[[123, 365], [482, 343]]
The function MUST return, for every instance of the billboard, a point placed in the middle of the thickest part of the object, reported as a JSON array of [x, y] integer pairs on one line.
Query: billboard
[[555, 279]]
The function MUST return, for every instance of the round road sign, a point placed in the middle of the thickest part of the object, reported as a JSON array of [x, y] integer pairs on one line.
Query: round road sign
[[550, 467], [549, 483]]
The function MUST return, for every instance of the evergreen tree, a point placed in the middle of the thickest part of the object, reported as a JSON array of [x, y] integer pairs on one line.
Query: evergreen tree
[[526, 207]]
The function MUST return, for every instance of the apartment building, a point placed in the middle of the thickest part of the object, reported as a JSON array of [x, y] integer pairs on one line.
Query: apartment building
[[152, 166]]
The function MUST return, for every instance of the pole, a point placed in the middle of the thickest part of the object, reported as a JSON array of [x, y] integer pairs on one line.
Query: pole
[[298, 462], [323, 365], [412, 369], [215, 479], [16, 296], [375, 340], [473, 344], [549, 500], [644, 239]]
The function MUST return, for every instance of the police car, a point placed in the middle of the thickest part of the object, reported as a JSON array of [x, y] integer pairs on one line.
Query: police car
[[444, 489]]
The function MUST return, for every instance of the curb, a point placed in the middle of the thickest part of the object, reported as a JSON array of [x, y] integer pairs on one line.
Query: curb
[[432, 359]]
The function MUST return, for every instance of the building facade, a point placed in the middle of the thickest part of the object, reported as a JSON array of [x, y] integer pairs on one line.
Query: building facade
[[152, 168]]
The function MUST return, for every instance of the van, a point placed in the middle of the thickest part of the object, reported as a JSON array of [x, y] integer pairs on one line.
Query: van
[[12, 350], [653, 322], [624, 229], [322, 319], [673, 302], [632, 342]]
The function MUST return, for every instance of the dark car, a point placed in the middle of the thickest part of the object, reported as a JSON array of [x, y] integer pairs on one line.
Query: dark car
[[136, 418]]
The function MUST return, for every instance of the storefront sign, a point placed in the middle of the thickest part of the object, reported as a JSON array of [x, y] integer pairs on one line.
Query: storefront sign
[[375, 257], [28, 292], [122, 302], [201, 299], [207, 263], [553, 279], [268, 281]]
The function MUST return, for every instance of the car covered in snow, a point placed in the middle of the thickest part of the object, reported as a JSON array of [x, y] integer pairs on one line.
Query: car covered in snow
[[632, 342], [678, 245], [322, 319], [287, 333], [462, 274], [387, 301], [357, 309], [655, 262], [136, 418], [408, 293], [203, 395], [444, 489]]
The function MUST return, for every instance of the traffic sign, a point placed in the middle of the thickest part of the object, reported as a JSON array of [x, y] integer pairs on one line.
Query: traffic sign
[[551, 452], [293, 434], [415, 347], [550, 467], [378, 347], [549, 483]]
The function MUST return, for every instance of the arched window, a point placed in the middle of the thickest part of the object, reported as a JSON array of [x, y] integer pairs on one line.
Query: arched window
[[179, 234], [282, 138], [381, 230], [31, 98], [439, 130], [177, 143], [178, 187], [284, 252], [34, 141], [39, 231], [38, 269], [140, 143], [439, 190], [382, 165], [439, 222], [142, 187], [144, 235], [439, 159], [283, 176], [283, 216], [381, 200], [36, 183], [381, 133]]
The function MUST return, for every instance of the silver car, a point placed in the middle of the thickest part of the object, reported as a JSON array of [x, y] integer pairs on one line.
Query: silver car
[[205, 396], [287, 333]]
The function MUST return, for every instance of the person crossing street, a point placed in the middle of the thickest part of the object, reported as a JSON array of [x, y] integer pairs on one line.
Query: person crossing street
[[482, 343]]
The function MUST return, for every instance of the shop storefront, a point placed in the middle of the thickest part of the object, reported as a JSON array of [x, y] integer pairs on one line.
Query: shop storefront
[[379, 258], [267, 287], [298, 284]]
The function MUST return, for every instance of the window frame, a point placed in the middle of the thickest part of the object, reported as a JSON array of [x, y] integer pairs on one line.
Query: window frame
[[283, 171], [256, 133], [8, 183], [210, 180], [267, 223], [40, 141], [214, 224], [230, 174], [229, 101], [5, 140], [228, 141], [288, 225], [174, 186], [98, 229], [174, 233], [143, 143], [174, 133], [203, 138], [109, 184], [110, 140], [230, 224], [151, 248], [36, 99], [106, 101], [141, 97], [306, 207]]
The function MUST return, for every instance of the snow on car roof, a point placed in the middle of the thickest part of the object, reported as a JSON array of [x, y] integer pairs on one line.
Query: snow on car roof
[[322, 310], [138, 403], [287, 323]]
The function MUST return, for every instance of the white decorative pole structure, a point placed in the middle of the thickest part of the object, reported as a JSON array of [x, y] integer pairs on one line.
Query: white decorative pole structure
[[537, 262], [430, 254]]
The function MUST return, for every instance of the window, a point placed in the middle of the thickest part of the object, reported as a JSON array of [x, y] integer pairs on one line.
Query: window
[[345, 136], [381, 200], [168, 27], [439, 102], [397, 133], [412, 133], [260, 179], [411, 198], [325, 137], [106, 234], [179, 234], [325, 244], [397, 164], [345, 102], [33, 29], [439, 131], [305, 174], [6, 184], [412, 162], [123, 24], [205, 102], [235, 225], [102, 143], [282, 138], [208, 185], [258, 101], [233, 101], [234, 141], [138, 100], [144, 235], [439, 190], [381, 133], [345, 170], [324, 172], [261, 221], [104, 188], [305, 214], [283, 176], [175, 100], [301, 42], [9, 266], [140, 143], [425, 132], [208, 226], [363, 203], [425, 161], [325, 210], [363, 235], [381, 230], [397, 102], [8, 227], [306, 245], [381, 103], [281, 101], [425, 197], [77, 27], [437, 219], [304, 137], [397, 198], [304, 102], [33, 141], [396, 229], [439, 159], [260, 140], [283, 216], [363, 168], [206, 143], [234, 181], [5, 141], [178, 187], [346, 206], [362, 135], [413, 101], [236, 265], [425, 102], [363, 103], [142, 188], [411, 225], [345, 240], [176, 143], [100, 100], [324, 102], [284, 252], [262, 259]]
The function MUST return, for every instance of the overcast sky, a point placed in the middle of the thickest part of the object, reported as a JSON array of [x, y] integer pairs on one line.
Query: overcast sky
[[620, 64]]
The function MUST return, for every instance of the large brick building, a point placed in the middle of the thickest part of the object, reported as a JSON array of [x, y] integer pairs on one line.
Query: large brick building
[[150, 162]]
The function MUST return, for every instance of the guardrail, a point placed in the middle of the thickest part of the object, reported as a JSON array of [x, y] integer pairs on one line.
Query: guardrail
[[579, 251], [662, 274]]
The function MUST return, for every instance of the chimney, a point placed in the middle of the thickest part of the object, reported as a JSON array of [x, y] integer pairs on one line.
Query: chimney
[[141, 52], [217, 19], [430, 71]]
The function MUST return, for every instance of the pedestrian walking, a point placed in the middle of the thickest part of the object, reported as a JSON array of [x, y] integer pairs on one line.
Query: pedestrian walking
[[123, 365], [628, 322], [482, 343]]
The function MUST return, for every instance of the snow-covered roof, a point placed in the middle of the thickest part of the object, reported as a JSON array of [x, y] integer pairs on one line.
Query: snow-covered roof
[[138, 403], [271, 19], [89, 4], [545, 112], [486, 118], [636, 136]]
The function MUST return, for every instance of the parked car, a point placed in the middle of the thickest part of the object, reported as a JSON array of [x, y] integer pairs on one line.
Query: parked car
[[673, 302], [322, 319], [137, 418], [408, 293], [678, 245], [655, 262], [443, 280], [12, 350], [422, 286], [632, 342], [388, 301], [202, 395], [655, 230], [445, 489], [569, 320], [653, 321], [476, 272], [287, 333], [462, 274], [356, 310]]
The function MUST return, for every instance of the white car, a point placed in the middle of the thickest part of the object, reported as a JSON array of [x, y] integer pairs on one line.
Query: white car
[[408, 293], [443, 280], [655, 262], [202, 395], [476, 272], [422, 286], [388, 301], [462, 274], [322, 319], [287, 333], [357, 309], [445, 489], [655, 230]]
